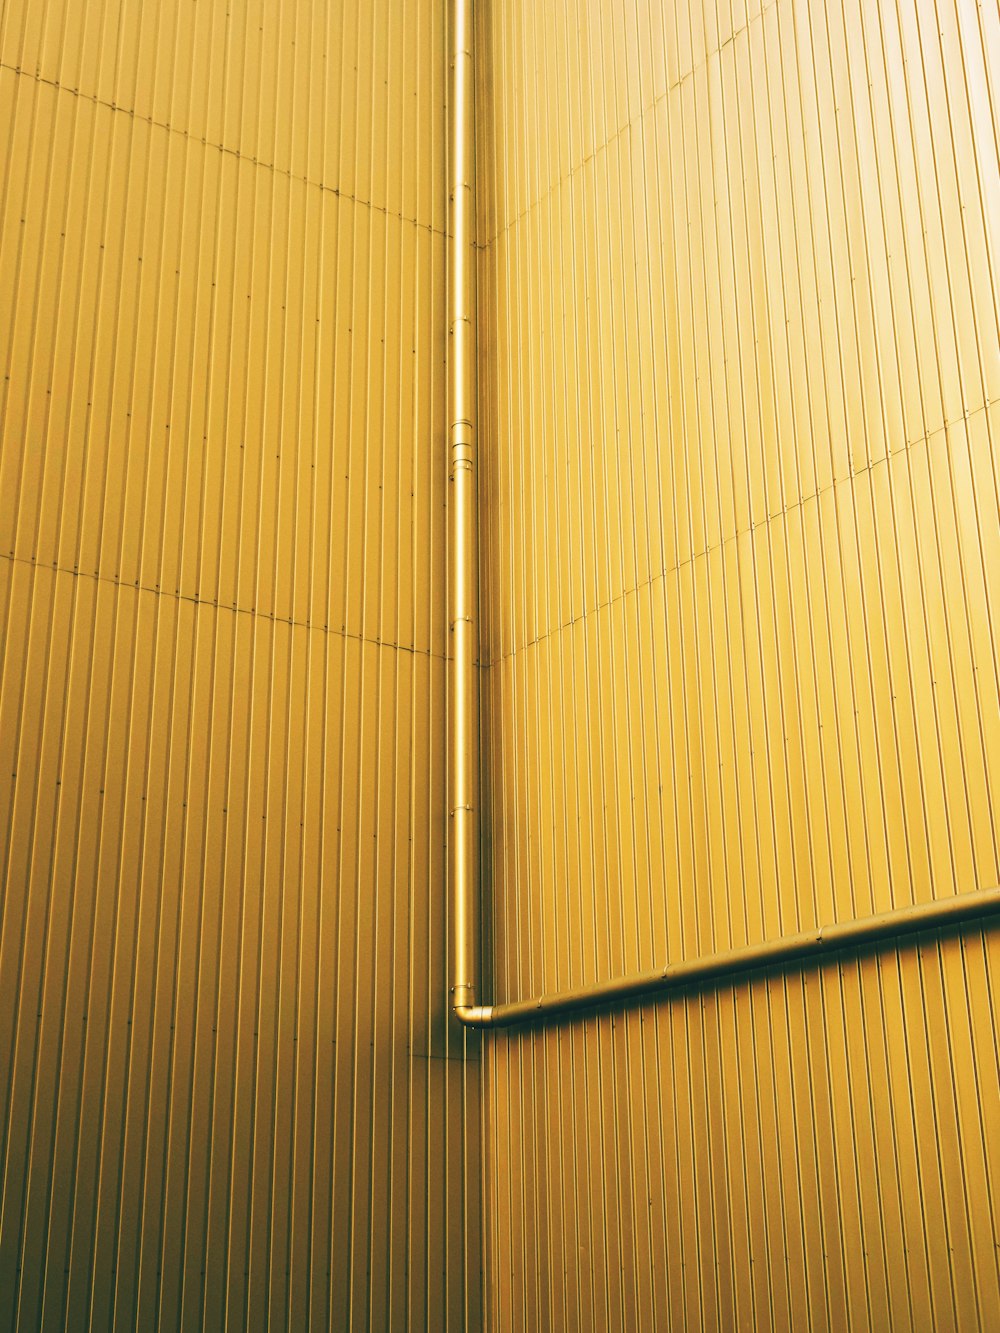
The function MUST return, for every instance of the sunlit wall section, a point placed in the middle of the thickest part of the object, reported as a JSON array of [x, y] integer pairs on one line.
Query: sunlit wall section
[[227, 1096], [740, 401]]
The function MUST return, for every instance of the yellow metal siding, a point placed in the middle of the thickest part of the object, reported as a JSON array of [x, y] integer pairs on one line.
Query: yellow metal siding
[[740, 416], [228, 1096]]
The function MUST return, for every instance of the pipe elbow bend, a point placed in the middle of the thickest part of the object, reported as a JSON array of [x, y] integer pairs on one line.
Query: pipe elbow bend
[[474, 1015]]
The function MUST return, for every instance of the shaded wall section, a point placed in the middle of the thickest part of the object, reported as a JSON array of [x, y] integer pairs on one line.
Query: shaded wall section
[[227, 1094], [740, 409]]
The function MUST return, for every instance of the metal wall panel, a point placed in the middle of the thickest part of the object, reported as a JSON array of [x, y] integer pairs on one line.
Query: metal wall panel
[[740, 413], [228, 1096]]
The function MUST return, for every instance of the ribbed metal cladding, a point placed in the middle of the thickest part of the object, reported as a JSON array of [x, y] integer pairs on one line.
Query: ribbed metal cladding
[[228, 1093], [739, 429]]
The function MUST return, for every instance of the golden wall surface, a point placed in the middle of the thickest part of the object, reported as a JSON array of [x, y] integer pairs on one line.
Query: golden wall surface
[[740, 413], [227, 1093]]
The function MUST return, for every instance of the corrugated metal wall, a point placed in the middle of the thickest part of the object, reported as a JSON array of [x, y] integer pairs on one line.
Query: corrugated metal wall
[[740, 404], [228, 1097]]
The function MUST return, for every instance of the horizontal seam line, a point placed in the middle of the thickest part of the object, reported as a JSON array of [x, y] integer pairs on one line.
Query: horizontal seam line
[[221, 148], [445, 1059], [632, 123], [790, 508], [215, 605]]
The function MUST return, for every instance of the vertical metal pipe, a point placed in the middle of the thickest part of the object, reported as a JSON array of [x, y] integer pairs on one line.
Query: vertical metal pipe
[[463, 543]]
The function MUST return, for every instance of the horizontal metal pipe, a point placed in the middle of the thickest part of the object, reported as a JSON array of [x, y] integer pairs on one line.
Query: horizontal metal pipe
[[802, 947]]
